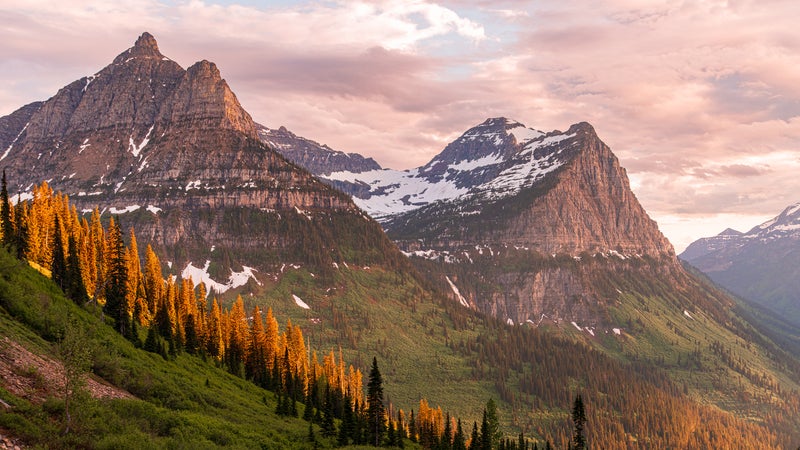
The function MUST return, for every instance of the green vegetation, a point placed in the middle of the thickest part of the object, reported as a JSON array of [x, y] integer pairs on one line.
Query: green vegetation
[[184, 403]]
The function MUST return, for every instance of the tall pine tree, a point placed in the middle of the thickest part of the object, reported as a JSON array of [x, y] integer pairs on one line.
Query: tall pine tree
[[6, 227], [375, 408], [116, 281], [579, 420], [75, 288], [58, 265]]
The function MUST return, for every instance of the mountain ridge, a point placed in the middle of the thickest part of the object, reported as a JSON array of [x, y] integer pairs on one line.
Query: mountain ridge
[[759, 265]]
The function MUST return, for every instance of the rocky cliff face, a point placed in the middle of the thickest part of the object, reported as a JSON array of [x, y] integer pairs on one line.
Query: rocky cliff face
[[176, 156], [761, 265], [579, 200]]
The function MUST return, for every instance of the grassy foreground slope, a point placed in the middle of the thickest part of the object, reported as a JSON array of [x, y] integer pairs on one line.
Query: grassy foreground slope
[[183, 403]]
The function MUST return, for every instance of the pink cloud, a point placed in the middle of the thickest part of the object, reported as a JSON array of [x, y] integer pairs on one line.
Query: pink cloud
[[693, 97]]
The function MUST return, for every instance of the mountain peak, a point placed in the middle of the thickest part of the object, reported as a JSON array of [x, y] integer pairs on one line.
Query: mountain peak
[[146, 42], [498, 122], [145, 47], [730, 232]]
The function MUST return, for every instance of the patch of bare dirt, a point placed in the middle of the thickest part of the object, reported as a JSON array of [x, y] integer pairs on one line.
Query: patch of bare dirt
[[35, 377]]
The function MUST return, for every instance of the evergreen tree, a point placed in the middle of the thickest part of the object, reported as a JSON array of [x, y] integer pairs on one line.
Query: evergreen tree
[[75, 287], [486, 438], [308, 411], [58, 266], [447, 435], [152, 342], [22, 233], [495, 435], [458, 438], [475, 439], [579, 420], [116, 283], [6, 227], [391, 438], [412, 427], [347, 425], [328, 427], [375, 408], [311, 437]]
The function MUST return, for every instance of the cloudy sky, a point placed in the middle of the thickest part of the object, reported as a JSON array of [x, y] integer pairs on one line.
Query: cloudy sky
[[700, 100]]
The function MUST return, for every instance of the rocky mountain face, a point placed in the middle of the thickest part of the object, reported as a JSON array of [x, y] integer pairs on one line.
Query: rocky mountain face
[[173, 153], [761, 265], [505, 211], [317, 158]]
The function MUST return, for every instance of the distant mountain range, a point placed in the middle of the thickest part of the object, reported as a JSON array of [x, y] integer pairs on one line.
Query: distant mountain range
[[761, 265]]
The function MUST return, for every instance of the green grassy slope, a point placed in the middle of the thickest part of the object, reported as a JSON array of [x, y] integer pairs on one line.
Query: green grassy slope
[[183, 403]]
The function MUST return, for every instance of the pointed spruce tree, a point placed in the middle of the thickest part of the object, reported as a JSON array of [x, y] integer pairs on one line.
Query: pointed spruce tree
[[579, 420], [475, 439], [6, 227], [375, 408], [116, 281], [58, 265], [493, 422], [75, 288]]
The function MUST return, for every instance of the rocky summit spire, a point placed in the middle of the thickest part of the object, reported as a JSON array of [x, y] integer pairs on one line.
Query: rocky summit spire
[[145, 47]]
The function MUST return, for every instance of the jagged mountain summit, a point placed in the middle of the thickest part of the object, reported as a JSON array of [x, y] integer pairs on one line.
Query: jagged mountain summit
[[761, 265], [173, 152], [584, 202]]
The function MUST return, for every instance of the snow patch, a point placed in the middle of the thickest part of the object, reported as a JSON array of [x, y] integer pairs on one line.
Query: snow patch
[[154, 209], [303, 213], [127, 209], [193, 185], [524, 134], [200, 275], [510, 321], [460, 297], [576, 326], [476, 163], [686, 313], [300, 302], [136, 149], [617, 331], [21, 197], [84, 145], [8, 150]]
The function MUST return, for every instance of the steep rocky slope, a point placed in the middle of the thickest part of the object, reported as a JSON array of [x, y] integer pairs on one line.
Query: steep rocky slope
[[761, 265], [176, 156]]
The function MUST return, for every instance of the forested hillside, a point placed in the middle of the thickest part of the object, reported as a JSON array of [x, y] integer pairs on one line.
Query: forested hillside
[[173, 347]]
